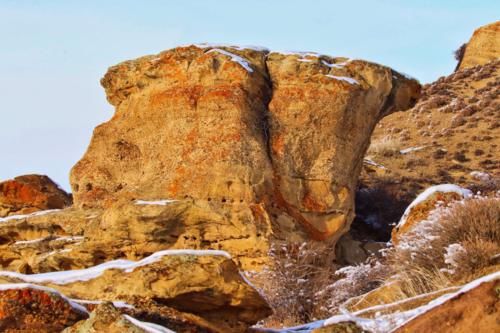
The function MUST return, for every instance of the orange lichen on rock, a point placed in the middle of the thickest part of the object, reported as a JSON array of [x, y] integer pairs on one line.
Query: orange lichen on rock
[[217, 123], [31, 193]]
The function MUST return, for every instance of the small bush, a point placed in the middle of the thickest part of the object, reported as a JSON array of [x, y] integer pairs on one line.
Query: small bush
[[451, 247], [386, 146], [292, 282], [459, 54]]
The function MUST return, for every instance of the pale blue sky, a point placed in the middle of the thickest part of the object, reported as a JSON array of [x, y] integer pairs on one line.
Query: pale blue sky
[[53, 54]]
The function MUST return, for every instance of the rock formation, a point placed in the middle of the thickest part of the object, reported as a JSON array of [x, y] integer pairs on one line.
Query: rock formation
[[449, 136], [31, 193], [30, 308], [483, 47], [234, 125], [420, 209], [206, 284], [209, 148], [477, 310]]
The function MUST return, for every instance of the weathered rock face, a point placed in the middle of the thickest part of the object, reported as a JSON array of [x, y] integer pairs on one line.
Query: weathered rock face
[[188, 123], [474, 311], [31, 193], [75, 239], [483, 47], [105, 318], [206, 284], [319, 115], [236, 125], [25, 308]]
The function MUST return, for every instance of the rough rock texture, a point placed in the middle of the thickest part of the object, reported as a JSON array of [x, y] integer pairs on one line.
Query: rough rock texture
[[206, 285], [483, 47], [34, 310], [319, 115], [31, 193], [421, 211], [478, 310], [236, 125], [105, 318], [74, 238]]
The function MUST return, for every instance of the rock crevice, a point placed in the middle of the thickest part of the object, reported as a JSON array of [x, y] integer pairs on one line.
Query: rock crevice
[[240, 125]]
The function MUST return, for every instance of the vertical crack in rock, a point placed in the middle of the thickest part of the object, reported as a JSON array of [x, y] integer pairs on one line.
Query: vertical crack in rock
[[233, 125]]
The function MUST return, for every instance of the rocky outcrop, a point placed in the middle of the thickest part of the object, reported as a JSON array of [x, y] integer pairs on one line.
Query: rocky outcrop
[[476, 310], [75, 239], [241, 126], [204, 283], [30, 308], [31, 193], [483, 47], [105, 318]]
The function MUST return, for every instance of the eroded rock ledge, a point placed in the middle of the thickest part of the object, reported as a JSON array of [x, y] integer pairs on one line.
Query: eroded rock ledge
[[243, 126]]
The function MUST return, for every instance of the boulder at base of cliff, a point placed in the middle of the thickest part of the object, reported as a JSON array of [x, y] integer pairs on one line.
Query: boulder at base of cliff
[[31, 308], [31, 193], [420, 209]]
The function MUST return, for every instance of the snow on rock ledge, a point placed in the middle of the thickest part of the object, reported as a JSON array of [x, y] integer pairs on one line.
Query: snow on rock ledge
[[29, 308], [207, 283], [425, 203]]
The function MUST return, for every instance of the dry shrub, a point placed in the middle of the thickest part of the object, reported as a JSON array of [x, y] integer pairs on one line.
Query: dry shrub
[[386, 146], [353, 281], [453, 246], [459, 54], [292, 282]]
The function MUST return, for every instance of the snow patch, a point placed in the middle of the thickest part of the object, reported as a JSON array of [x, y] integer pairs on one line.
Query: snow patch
[[116, 304], [148, 327], [349, 80], [65, 277], [372, 162], [339, 66], [430, 191], [235, 58], [236, 47], [62, 238], [482, 176], [453, 252], [73, 304], [411, 149], [163, 202], [19, 217], [301, 54]]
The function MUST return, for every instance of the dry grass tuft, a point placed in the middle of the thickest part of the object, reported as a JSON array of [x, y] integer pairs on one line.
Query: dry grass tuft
[[386, 146], [450, 248]]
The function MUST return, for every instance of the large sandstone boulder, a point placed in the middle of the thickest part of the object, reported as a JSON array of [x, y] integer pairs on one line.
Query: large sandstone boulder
[[204, 283], [241, 126], [31, 193], [483, 47]]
